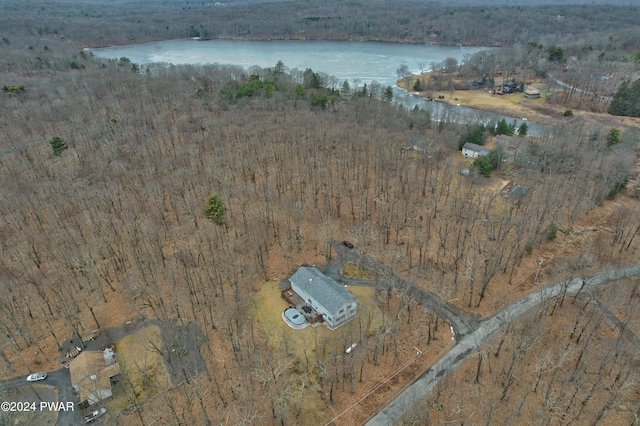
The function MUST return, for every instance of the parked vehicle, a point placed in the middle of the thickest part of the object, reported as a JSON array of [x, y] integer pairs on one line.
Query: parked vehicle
[[36, 377], [347, 244], [94, 415]]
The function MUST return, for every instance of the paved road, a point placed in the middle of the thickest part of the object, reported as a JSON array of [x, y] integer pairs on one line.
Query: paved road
[[469, 343], [66, 394], [62, 380], [563, 84]]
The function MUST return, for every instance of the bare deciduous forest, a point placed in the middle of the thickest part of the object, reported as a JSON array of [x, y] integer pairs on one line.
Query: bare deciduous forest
[[110, 227]]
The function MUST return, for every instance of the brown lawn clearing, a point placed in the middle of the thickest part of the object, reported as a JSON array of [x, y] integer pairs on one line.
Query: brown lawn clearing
[[144, 368], [379, 372]]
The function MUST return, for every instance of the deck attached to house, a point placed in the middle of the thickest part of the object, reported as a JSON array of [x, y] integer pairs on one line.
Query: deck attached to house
[[295, 300]]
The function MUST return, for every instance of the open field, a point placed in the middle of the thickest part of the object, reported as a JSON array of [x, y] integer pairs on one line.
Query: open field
[[142, 363]]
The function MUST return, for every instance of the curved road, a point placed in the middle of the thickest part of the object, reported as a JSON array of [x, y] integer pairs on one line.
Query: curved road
[[563, 84], [415, 392]]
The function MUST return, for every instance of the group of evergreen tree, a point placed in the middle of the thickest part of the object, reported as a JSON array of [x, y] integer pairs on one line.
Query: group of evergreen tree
[[475, 133], [255, 84], [504, 128], [626, 101], [13, 88]]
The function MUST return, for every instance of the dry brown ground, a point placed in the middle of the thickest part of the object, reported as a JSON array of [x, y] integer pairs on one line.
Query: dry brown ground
[[378, 383], [375, 390], [458, 399], [122, 308]]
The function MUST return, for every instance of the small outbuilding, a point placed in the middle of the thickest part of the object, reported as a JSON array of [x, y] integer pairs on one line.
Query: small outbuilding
[[531, 92]]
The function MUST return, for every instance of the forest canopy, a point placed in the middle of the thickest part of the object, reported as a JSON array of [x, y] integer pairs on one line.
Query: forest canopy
[[114, 229]]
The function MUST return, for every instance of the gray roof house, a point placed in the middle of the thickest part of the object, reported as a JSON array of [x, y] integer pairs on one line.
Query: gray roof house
[[336, 304], [472, 150]]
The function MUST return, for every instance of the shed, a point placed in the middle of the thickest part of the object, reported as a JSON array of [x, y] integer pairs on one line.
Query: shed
[[531, 92]]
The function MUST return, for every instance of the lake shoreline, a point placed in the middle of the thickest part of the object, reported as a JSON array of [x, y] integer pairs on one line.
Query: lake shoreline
[[512, 105], [231, 38]]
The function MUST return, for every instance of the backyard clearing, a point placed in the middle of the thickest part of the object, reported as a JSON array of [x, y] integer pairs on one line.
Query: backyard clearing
[[377, 374], [141, 361], [270, 304]]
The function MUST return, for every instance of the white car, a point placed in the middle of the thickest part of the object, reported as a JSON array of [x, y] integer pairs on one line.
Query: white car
[[94, 415], [36, 377]]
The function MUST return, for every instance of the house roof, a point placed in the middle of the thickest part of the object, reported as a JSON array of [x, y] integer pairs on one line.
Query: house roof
[[325, 290], [517, 191], [90, 376], [524, 160], [529, 90], [475, 147]]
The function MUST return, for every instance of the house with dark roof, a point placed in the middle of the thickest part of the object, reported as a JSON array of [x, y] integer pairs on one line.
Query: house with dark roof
[[517, 192], [324, 295], [526, 161], [472, 150]]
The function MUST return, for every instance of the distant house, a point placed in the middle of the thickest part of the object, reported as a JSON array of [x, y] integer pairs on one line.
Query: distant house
[[323, 294], [92, 375], [517, 192], [415, 144], [531, 92], [471, 150], [522, 159]]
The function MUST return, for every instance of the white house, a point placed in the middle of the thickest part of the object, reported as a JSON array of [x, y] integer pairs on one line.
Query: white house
[[471, 150], [333, 301]]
